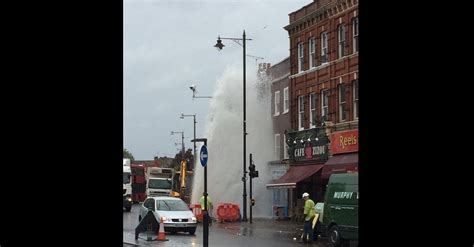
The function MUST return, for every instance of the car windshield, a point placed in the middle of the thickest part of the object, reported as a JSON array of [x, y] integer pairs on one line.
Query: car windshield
[[159, 184], [171, 205], [126, 177]]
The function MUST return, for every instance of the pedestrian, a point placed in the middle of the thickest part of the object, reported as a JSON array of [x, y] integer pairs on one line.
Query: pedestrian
[[209, 207], [309, 214]]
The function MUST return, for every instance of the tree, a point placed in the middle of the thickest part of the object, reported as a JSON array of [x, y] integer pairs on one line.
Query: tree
[[188, 156], [128, 155]]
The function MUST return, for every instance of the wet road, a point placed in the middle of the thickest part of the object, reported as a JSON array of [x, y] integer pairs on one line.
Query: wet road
[[261, 233]]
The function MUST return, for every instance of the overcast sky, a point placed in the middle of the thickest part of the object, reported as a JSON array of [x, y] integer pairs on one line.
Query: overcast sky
[[168, 46]]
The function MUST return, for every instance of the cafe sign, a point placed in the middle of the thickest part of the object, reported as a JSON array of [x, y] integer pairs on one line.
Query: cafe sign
[[312, 150]]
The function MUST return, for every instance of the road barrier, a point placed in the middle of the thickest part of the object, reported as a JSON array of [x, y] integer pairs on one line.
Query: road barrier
[[196, 208], [228, 212]]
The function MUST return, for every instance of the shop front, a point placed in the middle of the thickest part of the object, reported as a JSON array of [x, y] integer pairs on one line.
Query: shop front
[[308, 151], [345, 153]]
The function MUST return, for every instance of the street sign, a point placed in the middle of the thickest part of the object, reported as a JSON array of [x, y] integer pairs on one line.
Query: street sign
[[203, 155]]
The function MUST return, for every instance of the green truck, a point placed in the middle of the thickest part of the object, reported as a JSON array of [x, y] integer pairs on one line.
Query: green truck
[[341, 209]]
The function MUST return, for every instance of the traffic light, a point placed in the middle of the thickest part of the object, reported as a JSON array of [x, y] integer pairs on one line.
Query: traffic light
[[253, 173]]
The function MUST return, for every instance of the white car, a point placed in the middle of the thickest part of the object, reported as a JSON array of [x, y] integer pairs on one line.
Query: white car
[[177, 216]]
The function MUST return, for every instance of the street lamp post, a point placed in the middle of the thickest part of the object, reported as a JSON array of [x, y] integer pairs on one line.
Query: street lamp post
[[182, 140], [219, 46], [194, 116]]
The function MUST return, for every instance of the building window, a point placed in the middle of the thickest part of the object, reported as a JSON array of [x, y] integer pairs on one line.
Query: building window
[[277, 103], [324, 103], [285, 148], [342, 39], [278, 173], [277, 146], [286, 107], [355, 90], [276, 196], [312, 112], [300, 57], [342, 103], [280, 199], [355, 34], [324, 48], [312, 52], [300, 112]]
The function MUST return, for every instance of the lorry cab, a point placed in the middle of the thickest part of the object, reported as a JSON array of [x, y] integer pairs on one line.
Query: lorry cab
[[159, 187], [341, 205], [159, 181]]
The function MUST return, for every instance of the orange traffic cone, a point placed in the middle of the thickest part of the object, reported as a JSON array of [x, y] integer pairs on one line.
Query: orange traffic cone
[[161, 231]]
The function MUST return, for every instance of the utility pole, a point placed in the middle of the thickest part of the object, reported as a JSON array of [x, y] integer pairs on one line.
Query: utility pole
[[253, 174]]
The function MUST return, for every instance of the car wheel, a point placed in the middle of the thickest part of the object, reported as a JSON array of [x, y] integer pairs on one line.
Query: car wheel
[[128, 209], [192, 231], [335, 237]]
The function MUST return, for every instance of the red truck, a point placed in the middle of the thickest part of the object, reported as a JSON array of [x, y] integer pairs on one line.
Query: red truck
[[138, 182]]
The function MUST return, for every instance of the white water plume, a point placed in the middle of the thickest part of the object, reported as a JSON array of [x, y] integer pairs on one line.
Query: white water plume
[[224, 131]]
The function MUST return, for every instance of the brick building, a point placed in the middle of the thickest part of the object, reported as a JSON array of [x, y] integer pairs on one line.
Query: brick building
[[323, 88]]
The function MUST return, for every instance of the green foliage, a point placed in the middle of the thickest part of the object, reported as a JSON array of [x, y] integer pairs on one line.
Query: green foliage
[[128, 155], [188, 156]]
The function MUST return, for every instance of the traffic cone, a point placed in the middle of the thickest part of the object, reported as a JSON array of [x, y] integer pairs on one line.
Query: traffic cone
[[161, 231]]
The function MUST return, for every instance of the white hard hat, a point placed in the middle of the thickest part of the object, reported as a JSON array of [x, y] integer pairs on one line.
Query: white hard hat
[[305, 194]]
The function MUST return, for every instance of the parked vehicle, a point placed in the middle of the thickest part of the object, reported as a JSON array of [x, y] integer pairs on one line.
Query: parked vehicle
[[341, 205], [138, 182], [159, 181], [127, 186], [177, 217]]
